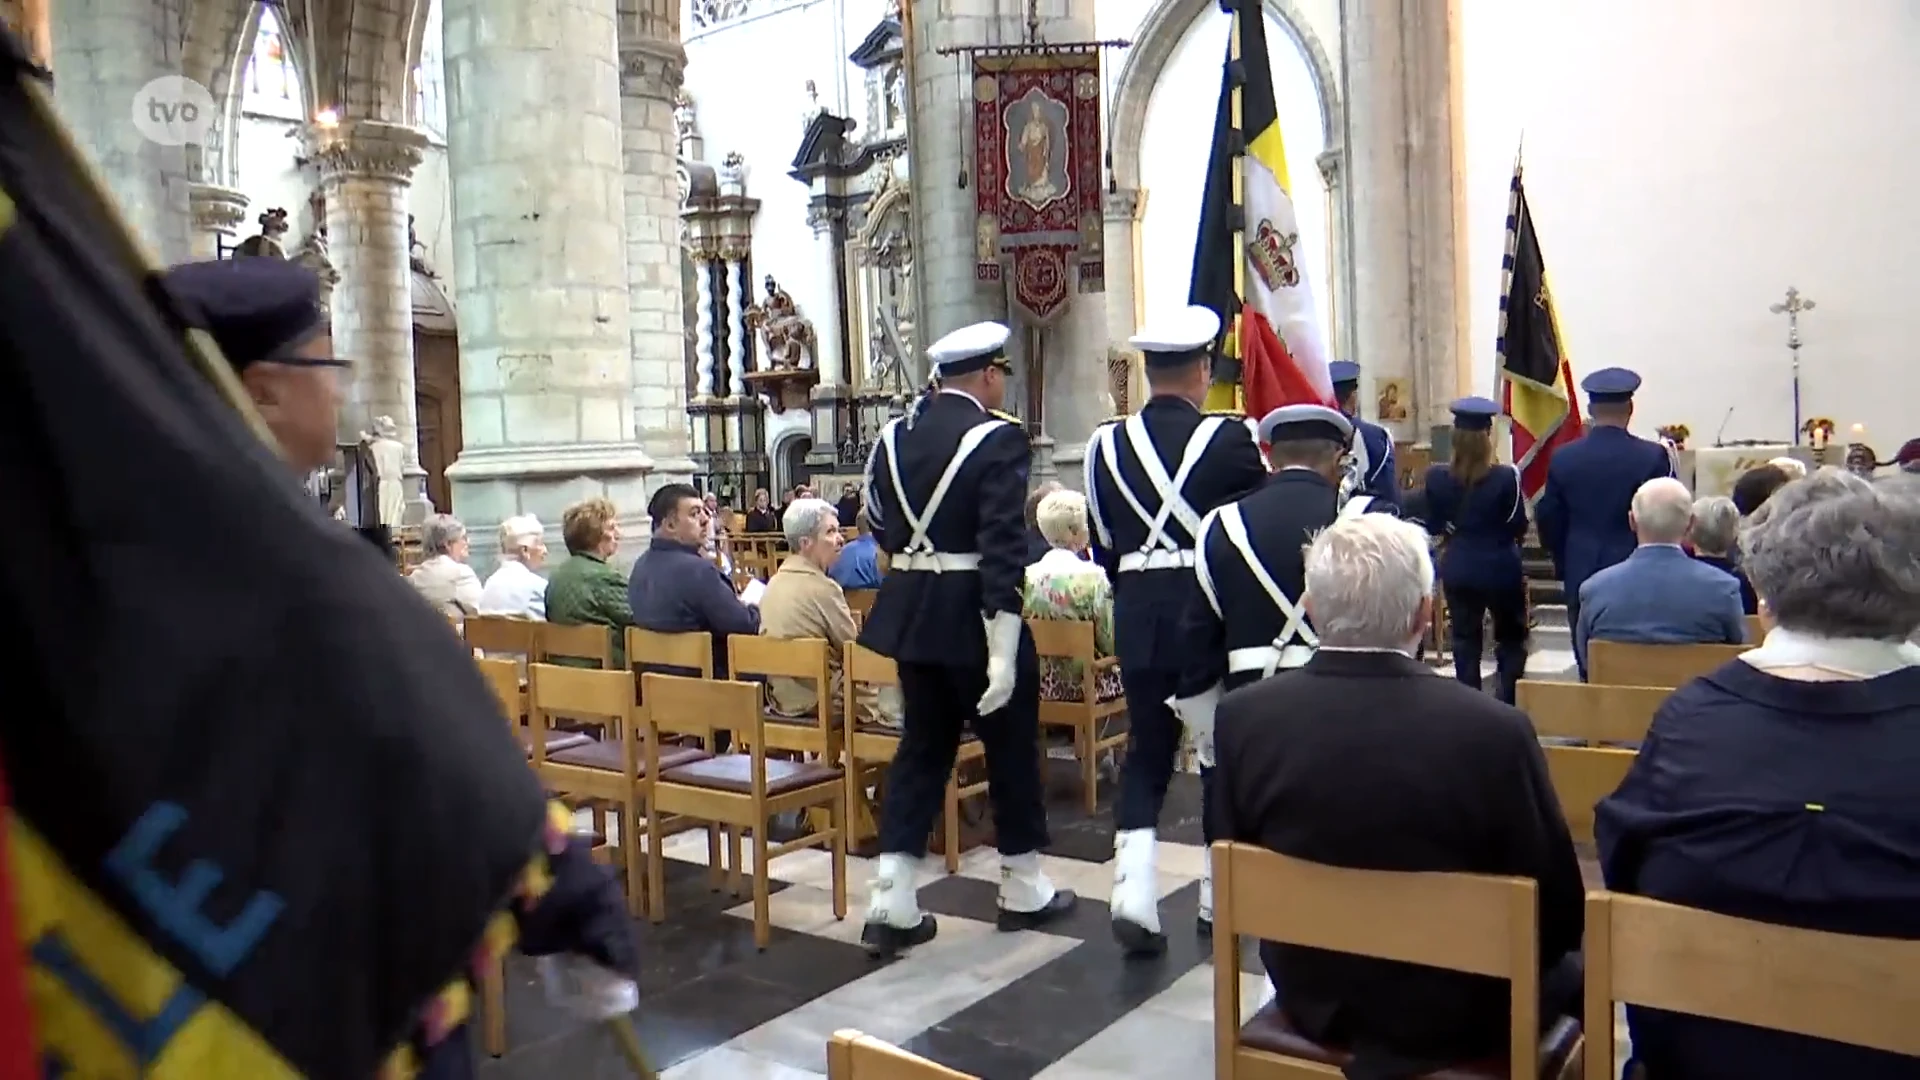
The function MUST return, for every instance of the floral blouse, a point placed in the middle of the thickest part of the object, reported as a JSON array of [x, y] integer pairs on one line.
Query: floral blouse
[[1061, 585]]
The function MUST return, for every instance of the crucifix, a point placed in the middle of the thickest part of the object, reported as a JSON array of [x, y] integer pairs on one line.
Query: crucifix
[[1791, 308]]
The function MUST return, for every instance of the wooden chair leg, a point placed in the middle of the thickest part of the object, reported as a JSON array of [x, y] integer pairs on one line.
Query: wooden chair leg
[[733, 861], [1089, 767], [716, 867], [841, 814], [657, 868], [762, 882], [493, 1009], [951, 821], [637, 863]]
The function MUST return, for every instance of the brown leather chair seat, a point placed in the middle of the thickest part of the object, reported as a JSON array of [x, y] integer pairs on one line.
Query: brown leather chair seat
[[734, 772], [556, 740], [606, 755], [1271, 1031]]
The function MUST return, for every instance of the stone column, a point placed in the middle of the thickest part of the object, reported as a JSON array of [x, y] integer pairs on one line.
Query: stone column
[[105, 53], [1123, 211], [365, 167], [822, 304], [739, 295], [1332, 165], [705, 370], [1403, 141], [540, 254], [651, 66], [217, 215]]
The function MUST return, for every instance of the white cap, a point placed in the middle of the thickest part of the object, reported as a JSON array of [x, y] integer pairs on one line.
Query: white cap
[[968, 348], [1306, 422], [1186, 331]]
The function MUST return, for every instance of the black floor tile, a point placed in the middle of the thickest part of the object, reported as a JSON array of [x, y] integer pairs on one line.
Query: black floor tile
[[1089, 837], [978, 1055]]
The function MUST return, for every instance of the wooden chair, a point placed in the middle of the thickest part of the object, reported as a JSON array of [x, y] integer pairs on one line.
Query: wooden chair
[[853, 1056], [743, 790], [498, 634], [860, 601], [1583, 775], [871, 747], [1459, 922], [1857, 990], [1756, 630], [504, 677], [1063, 639], [615, 772], [1621, 663], [691, 651], [587, 641]]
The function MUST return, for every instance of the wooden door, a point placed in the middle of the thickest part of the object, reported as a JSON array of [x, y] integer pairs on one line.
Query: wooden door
[[436, 390]]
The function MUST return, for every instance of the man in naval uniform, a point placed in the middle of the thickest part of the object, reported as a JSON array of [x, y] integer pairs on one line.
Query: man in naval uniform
[[1149, 479], [1245, 621], [1582, 511], [1372, 444], [953, 482]]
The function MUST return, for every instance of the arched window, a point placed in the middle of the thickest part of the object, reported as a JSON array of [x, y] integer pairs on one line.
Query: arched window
[[430, 78], [272, 86]]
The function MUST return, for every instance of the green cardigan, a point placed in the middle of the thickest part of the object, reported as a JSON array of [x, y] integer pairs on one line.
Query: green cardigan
[[585, 590]]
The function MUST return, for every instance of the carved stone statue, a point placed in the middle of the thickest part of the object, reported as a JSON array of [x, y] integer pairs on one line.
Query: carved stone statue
[[733, 174], [269, 240], [787, 337], [389, 457], [683, 120]]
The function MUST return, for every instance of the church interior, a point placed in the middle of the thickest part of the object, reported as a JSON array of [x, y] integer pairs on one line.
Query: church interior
[[583, 249]]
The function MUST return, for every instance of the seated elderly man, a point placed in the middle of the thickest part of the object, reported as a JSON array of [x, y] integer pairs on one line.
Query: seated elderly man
[[1716, 527], [444, 577], [1781, 787], [516, 590], [1659, 595], [675, 589], [1366, 758], [801, 601]]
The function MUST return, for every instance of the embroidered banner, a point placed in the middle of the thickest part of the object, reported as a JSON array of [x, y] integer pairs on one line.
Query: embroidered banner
[[1037, 158]]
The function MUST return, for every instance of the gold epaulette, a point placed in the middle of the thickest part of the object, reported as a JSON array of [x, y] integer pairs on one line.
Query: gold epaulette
[[1230, 413], [1007, 416]]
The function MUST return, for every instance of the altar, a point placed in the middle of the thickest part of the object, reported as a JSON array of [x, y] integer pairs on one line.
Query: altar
[[1714, 469]]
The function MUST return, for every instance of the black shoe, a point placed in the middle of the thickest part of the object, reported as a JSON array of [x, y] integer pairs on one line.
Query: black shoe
[[1062, 902], [884, 941], [1137, 940]]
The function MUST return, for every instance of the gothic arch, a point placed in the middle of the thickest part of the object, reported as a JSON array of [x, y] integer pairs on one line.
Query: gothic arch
[[1160, 32], [220, 36]]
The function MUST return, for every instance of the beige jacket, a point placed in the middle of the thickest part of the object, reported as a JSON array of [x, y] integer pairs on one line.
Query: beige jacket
[[450, 586], [803, 602]]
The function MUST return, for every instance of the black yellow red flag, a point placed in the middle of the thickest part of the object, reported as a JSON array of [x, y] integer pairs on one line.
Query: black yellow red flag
[[1534, 370]]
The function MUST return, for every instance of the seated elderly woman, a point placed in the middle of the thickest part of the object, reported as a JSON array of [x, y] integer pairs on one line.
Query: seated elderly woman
[[516, 590], [1780, 787], [1063, 584], [801, 601], [1716, 524], [444, 577]]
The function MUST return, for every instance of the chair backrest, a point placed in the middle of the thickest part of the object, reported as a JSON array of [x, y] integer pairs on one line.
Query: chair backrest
[[678, 705], [860, 601], [586, 641], [854, 1056], [1590, 712], [503, 678], [794, 658], [1459, 922], [499, 634], [1623, 663], [1756, 630], [1068, 639], [579, 693], [862, 665], [690, 651], [1857, 990]]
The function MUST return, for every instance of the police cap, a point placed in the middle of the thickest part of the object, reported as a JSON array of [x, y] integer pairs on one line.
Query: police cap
[[969, 349], [1345, 375], [256, 308], [1610, 386], [1474, 413], [1292, 422], [1179, 338]]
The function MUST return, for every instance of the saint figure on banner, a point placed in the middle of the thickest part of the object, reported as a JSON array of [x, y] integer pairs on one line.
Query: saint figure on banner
[[1037, 186]]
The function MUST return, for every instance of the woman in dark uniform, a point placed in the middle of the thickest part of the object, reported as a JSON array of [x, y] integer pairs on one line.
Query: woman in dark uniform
[[1476, 505]]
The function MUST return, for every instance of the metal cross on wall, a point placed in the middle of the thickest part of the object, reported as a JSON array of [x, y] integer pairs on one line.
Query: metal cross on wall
[[1791, 308]]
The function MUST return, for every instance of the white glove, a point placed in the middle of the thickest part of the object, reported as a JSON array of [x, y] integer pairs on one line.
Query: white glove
[[1003, 650], [1197, 714], [586, 989]]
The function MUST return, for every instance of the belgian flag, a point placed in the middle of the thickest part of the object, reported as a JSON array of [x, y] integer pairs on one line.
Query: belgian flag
[[1247, 262], [1534, 371]]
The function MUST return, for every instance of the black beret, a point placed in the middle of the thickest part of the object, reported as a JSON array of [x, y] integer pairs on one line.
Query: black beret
[[256, 308]]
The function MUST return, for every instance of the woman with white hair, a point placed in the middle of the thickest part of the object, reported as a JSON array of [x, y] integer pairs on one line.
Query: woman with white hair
[[1780, 787], [516, 590], [1063, 584], [1715, 529], [444, 577]]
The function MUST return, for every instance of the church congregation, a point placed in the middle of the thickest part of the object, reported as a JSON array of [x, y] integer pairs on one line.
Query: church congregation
[[1000, 657]]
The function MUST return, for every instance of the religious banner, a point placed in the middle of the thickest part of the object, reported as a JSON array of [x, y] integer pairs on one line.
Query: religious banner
[[1037, 175]]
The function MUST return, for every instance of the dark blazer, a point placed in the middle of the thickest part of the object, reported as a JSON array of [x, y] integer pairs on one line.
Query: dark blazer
[[1583, 509], [1483, 524], [1784, 802], [674, 589], [1372, 760], [928, 618], [763, 521], [1749, 600], [1659, 596], [1149, 604]]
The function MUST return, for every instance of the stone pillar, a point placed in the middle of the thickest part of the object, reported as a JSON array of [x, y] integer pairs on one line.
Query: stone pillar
[[217, 215], [1403, 138], [365, 167], [739, 295], [1332, 165], [822, 305], [105, 53], [651, 66], [705, 370], [1123, 212], [540, 257]]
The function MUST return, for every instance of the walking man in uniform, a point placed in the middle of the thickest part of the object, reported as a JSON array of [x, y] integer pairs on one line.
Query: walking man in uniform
[[954, 484], [1373, 444], [1582, 511], [1245, 621], [1149, 479]]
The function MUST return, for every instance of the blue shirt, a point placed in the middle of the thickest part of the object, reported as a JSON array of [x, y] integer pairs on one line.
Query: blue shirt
[[858, 566]]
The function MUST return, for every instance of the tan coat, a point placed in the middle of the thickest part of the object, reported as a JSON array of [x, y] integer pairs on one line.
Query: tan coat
[[803, 602]]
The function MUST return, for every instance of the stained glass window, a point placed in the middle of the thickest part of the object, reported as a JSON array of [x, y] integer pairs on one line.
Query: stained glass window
[[429, 79], [272, 86]]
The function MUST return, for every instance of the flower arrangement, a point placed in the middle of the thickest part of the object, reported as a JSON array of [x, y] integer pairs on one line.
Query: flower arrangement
[[1675, 434], [1819, 432]]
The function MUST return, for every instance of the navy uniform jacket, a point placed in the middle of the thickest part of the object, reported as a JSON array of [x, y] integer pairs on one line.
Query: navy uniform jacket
[[1483, 525], [1280, 517], [1148, 605], [1383, 475], [922, 617], [1590, 486]]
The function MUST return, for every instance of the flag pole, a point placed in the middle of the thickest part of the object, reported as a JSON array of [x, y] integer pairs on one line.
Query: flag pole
[[1503, 429], [1239, 192]]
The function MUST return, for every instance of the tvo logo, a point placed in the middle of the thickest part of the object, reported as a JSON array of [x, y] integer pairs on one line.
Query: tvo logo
[[173, 110]]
